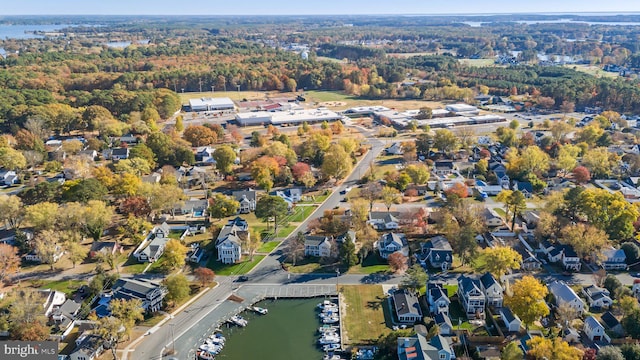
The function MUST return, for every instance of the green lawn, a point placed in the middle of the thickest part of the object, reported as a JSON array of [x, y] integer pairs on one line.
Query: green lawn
[[458, 316], [66, 286], [323, 96], [235, 269], [500, 211], [477, 62], [451, 289], [283, 231], [175, 234], [364, 321], [132, 266], [300, 213], [318, 197], [372, 264], [268, 246]]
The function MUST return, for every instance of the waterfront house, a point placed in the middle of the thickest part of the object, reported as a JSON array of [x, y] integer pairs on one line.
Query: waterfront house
[[390, 243], [511, 321], [88, 347], [594, 330], [150, 293], [384, 220], [471, 296], [437, 253], [565, 295], [614, 259], [597, 297], [318, 246], [438, 298], [230, 239], [492, 290], [247, 200], [418, 348], [406, 306], [612, 324], [444, 324]]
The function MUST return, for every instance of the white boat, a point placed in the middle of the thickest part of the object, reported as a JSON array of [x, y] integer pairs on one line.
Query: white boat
[[326, 304], [238, 320], [217, 338], [259, 310], [330, 320], [331, 347], [328, 328], [203, 355], [329, 339], [328, 314], [212, 349], [214, 341], [331, 356]]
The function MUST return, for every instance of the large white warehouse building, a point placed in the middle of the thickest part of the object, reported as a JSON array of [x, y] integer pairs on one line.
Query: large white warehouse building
[[286, 117], [211, 104]]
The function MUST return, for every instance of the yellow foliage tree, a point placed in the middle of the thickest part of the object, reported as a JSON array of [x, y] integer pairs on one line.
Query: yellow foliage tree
[[527, 299]]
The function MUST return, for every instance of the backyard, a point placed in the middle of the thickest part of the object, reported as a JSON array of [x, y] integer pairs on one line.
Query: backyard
[[364, 321]]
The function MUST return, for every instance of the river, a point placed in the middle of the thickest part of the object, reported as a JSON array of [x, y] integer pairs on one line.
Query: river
[[287, 332]]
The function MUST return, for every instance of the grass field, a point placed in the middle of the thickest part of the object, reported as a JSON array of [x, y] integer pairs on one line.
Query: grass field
[[235, 269], [132, 266], [233, 95], [477, 62], [593, 70], [364, 320], [268, 246], [351, 101], [66, 286], [372, 264]]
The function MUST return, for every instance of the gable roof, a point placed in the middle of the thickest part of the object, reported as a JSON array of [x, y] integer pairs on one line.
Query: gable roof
[[394, 238], [385, 216], [592, 322], [250, 194], [563, 292], [314, 240], [488, 280], [468, 284], [133, 288], [609, 320], [507, 315], [442, 319], [438, 243], [406, 303]]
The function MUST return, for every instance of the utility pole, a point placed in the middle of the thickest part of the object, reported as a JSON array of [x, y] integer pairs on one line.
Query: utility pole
[[200, 82], [238, 88], [337, 280], [213, 89]]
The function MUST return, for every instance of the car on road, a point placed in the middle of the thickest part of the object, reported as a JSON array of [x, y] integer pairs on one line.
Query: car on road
[[243, 278]]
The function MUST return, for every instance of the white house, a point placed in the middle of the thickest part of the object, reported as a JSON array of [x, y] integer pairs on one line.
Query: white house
[[570, 259], [291, 196], [565, 295], [247, 200], [491, 218], [406, 306], [384, 220], [390, 243], [444, 324], [597, 297], [443, 168], [230, 239], [594, 330], [471, 296], [88, 347], [492, 290], [511, 320], [394, 149], [149, 292], [8, 177], [614, 259], [438, 299], [33, 256], [318, 246]]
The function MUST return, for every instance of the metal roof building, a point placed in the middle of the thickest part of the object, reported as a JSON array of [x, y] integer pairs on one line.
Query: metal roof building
[[211, 104]]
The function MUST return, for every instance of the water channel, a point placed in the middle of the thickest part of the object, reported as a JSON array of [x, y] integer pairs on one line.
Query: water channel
[[287, 332]]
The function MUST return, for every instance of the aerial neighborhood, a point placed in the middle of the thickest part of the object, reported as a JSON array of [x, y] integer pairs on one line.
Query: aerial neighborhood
[[438, 206]]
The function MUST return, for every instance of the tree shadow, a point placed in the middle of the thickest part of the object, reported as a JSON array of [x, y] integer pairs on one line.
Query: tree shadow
[[376, 278]]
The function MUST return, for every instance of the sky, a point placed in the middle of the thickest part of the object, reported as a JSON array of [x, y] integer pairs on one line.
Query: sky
[[307, 7]]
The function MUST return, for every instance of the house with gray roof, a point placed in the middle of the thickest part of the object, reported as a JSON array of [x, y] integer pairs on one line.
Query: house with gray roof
[[418, 348], [149, 292], [437, 298], [614, 259], [407, 307], [565, 295], [444, 324], [492, 289], [384, 220], [390, 243], [511, 321], [247, 199], [597, 297], [594, 330], [471, 296], [437, 253], [88, 347], [317, 246], [230, 239], [153, 250], [612, 324]]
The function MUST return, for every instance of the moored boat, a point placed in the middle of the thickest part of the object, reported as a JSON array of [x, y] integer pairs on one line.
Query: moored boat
[[331, 347], [259, 310]]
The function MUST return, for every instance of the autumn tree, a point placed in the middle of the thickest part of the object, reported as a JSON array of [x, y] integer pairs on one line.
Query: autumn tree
[[418, 173], [264, 170], [527, 300], [134, 229], [42, 216], [12, 159], [512, 351], [177, 288], [199, 135], [552, 349], [514, 203], [600, 162], [225, 157], [223, 206], [175, 254], [336, 163], [9, 261], [128, 312], [26, 318], [135, 205], [567, 157], [445, 140], [46, 246], [458, 189], [581, 175], [608, 211], [397, 262], [359, 212], [371, 192], [530, 160], [299, 170], [500, 260], [390, 196], [11, 210], [97, 216], [252, 242], [610, 353], [204, 275], [77, 253], [585, 239]]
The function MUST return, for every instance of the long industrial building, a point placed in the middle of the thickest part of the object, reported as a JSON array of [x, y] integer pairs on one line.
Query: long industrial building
[[286, 117], [211, 104]]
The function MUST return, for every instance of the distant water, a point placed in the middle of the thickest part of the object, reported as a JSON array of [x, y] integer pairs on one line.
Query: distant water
[[124, 44], [556, 21], [287, 332], [26, 31]]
